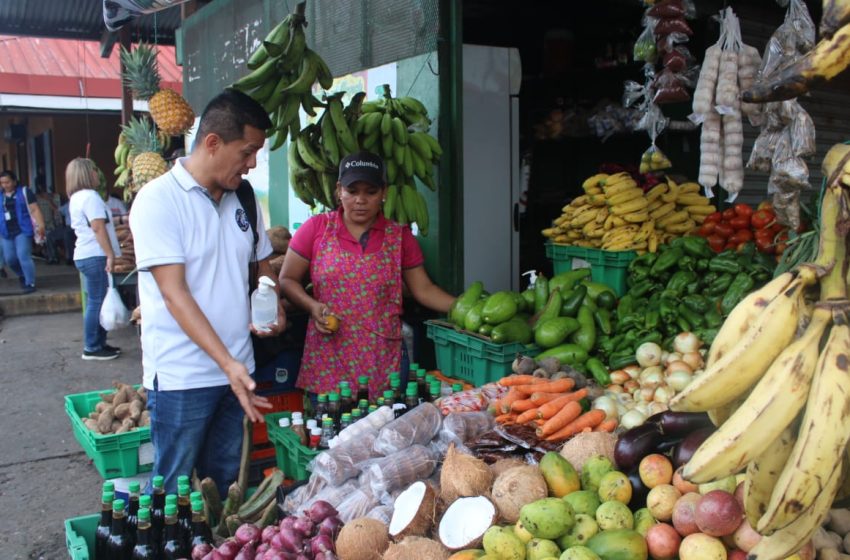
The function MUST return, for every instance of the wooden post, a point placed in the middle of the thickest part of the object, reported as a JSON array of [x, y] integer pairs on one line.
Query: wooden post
[[126, 96]]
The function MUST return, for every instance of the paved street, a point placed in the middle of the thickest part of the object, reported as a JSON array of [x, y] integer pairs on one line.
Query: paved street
[[44, 475]]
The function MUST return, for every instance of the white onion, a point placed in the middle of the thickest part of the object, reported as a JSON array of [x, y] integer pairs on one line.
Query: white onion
[[646, 394], [608, 405], [652, 380], [648, 354], [625, 398], [664, 356], [643, 408], [615, 388], [632, 419], [686, 342], [693, 359], [678, 365], [623, 409], [619, 377], [631, 386], [656, 407], [633, 371], [663, 394], [650, 371], [672, 357], [678, 380]]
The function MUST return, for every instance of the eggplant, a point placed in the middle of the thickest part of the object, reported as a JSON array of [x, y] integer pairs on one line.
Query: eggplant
[[668, 444], [689, 445], [682, 423], [639, 490], [635, 444]]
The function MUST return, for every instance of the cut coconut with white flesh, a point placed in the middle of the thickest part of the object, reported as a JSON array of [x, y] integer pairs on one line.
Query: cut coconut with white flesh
[[465, 522], [413, 511]]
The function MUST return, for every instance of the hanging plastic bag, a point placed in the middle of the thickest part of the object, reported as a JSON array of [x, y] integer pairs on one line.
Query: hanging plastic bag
[[800, 21], [673, 25], [669, 88], [113, 313], [802, 130], [645, 49], [678, 60], [117, 13]]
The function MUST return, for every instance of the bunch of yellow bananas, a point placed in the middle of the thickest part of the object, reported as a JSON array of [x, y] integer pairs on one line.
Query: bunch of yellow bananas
[[615, 214], [779, 397]]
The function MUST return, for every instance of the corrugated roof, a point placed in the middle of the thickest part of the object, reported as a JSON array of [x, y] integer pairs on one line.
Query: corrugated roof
[[80, 19], [38, 66]]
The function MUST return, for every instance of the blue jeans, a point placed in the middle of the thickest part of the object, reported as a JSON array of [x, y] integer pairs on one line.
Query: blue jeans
[[93, 270], [196, 429], [18, 254]]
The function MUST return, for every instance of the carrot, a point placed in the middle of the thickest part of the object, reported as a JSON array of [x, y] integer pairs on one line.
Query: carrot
[[512, 380], [543, 398], [607, 426], [557, 386], [506, 401], [505, 418], [523, 405], [567, 414], [527, 416], [551, 408], [589, 419]]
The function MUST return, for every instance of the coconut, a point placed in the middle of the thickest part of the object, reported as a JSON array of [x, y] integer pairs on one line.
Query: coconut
[[279, 237], [416, 548], [362, 539], [502, 465], [413, 511], [583, 446], [517, 487], [465, 522], [463, 475]]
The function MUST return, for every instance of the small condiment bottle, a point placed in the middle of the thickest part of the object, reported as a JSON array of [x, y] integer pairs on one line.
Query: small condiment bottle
[[298, 428], [434, 392], [315, 437], [284, 423]]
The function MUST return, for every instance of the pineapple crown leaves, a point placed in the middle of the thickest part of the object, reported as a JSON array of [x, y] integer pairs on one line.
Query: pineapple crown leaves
[[140, 134], [141, 72]]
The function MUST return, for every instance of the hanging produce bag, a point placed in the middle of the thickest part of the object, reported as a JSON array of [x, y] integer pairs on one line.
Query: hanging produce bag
[[118, 13]]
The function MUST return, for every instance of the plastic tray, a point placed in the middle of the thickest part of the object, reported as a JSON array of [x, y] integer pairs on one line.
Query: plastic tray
[[79, 536], [113, 455], [292, 457], [474, 359], [606, 267]]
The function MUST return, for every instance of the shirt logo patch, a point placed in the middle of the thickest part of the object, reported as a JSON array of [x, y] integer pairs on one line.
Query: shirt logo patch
[[242, 219]]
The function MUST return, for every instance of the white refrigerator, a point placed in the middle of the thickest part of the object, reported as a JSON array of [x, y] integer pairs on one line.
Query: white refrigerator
[[491, 166]]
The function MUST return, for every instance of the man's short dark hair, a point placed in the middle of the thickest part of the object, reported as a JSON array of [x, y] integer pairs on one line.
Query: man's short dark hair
[[229, 112], [10, 174]]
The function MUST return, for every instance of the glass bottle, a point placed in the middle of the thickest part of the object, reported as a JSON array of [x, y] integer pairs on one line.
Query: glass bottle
[[171, 499], [143, 550], [135, 489], [334, 408], [411, 373], [104, 526], [315, 437], [200, 532], [157, 511], [363, 405], [423, 386], [108, 486], [346, 401], [182, 479], [363, 389], [328, 433], [321, 407], [299, 430], [398, 395], [389, 400], [196, 497], [118, 545], [411, 397], [345, 421], [356, 415], [184, 513], [434, 392], [172, 546]]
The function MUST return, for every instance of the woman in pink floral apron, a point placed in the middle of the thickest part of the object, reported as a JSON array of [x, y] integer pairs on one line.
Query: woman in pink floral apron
[[358, 261]]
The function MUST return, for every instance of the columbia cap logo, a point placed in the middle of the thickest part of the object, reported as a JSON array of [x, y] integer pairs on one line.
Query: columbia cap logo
[[361, 163]]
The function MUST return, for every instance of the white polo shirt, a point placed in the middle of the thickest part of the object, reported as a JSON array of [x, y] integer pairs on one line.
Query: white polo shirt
[[175, 221]]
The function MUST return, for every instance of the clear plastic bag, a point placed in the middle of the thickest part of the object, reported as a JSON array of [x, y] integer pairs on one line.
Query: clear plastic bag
[[788, 177], [667, 9], [669, 88], [800, 21], [645, 49], [678, 60], [399, 469], [357, 504], [334, 495], [633, 93], [382, 513], [117, 13], [761, 157], [466, 426], [673, 25], [113, 313], [418, 426], [344, 461], [802, 130]]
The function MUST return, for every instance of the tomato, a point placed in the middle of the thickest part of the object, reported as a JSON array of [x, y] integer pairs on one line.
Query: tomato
[[742, 236], [730, 246], [766, 235], [713, 217], [716, 242], [783, 236], [743, 210], [765, 246], [740, 222], [724, 230], [729, 213], [763, 218], [765, 205], [707, 228]]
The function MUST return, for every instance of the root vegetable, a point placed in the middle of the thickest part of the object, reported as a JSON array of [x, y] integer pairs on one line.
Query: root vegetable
[[91, 425], [517, 487], [104, 421], [145, 418], [100, 407], [839, 521], [136, 409], [686, 342], [321, 544], [321, 510], [330, 526], [648, 354], [268, 532], [465, 521], [248, 533], [122, 411], [126, 425]]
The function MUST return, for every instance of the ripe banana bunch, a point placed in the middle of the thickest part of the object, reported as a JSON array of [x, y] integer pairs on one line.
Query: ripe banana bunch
[[788, 390], [615, 214], [283, 71]]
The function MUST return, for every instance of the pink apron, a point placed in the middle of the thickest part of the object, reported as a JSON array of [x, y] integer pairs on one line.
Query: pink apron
[[364, 292]]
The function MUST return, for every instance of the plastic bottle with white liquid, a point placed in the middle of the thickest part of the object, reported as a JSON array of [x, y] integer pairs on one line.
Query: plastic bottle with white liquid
[[264, 305]]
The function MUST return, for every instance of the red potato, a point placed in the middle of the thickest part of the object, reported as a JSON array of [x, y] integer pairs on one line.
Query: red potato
[[684, 514], [683, 485], [745, 537], [663, 541], [655, 469], [718, 513], [661, 500]]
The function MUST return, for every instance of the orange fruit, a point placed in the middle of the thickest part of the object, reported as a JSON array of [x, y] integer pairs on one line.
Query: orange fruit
[[332, 323]]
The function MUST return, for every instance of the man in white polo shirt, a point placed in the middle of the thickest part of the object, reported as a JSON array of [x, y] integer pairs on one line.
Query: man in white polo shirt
[[193, 245]]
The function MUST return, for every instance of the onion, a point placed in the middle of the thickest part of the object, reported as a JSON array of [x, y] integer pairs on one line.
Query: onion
[[693, 359], [652, 380], [330, 527], [268, 533], [648, 354], [631, 386], [248, 533], [632, 419], [650, 371], [304, 526], [201, 550], [679, 365], [633, 371], [678, 380], [656, 407], [686, 342], [615, 388], [672, 357], [625, 398], [623, 409], [646, 394], [663, 394], [619, 377], [607, 405], [320, 510]]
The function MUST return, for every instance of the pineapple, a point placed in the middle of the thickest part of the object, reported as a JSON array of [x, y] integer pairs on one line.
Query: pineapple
[[145, 160], [169, 110]]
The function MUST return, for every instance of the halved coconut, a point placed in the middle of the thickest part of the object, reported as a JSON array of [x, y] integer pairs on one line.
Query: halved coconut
[[413, 511], [465, 522], [463, 475]]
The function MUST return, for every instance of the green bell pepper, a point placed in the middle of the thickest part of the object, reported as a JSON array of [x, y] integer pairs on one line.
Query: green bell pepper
[[667, 310], [722, 264], [697, 247], [680, 281], [654, 336], [683, 324], [713, 318], [651, 318], [666, 260], [720, 285], [739, 287], [695, 319], [625, 305], [640, 289]]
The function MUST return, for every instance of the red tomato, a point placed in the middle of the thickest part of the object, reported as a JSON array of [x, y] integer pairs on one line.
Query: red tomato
[[763, 218], [724, 230], [765, 246], [740, 222], [783, 236], [742, 209], [716, 242], [765, 205], [729, 213], [742, 236], [707, 228], [713, 217], [730, 246], [765, 235]]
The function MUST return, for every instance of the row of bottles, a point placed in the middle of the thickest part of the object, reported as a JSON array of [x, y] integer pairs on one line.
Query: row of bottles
[[156, 527]]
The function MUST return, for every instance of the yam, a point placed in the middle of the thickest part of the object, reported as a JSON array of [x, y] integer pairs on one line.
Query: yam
[[93, 415], [122, 411], [99, 407], [116, 424], [104, 421], [126, 426], [839, 521], [583, 446], [107, 397], [91, 425], [279, 237], [145, 419], [120, 396], [136, 409], [141, 391]]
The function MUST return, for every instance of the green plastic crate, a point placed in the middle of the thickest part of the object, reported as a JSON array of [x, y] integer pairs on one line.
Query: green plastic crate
[[606, 267], [292, 457], [113, 455], [473, 358], [79, 536]]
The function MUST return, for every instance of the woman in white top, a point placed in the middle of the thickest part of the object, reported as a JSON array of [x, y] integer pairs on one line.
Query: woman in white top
[[95, 251]]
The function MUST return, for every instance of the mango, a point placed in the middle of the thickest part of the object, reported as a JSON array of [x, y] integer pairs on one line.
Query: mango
[[621, 544], [522, 533], [614, 515], [615, 485], [593, 470], [584, 528], [502, 543], [561, 478], [548, 518], [472, 554], [584, 501], [540, 549], [579, 553], [643, 521]]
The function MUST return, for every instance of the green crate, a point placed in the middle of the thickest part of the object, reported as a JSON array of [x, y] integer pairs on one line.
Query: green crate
[[292, 457], [472, 357], [113, 455], [79, 536], [606, 267]]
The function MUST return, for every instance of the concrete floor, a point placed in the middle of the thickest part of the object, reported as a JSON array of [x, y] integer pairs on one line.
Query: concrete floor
[[44, 475]]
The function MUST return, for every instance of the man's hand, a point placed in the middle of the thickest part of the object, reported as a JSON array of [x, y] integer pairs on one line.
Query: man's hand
[[110, 262], [243, 387], [272, 330]]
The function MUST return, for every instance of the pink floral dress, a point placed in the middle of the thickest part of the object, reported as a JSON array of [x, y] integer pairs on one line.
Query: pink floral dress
[[364, 292]]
